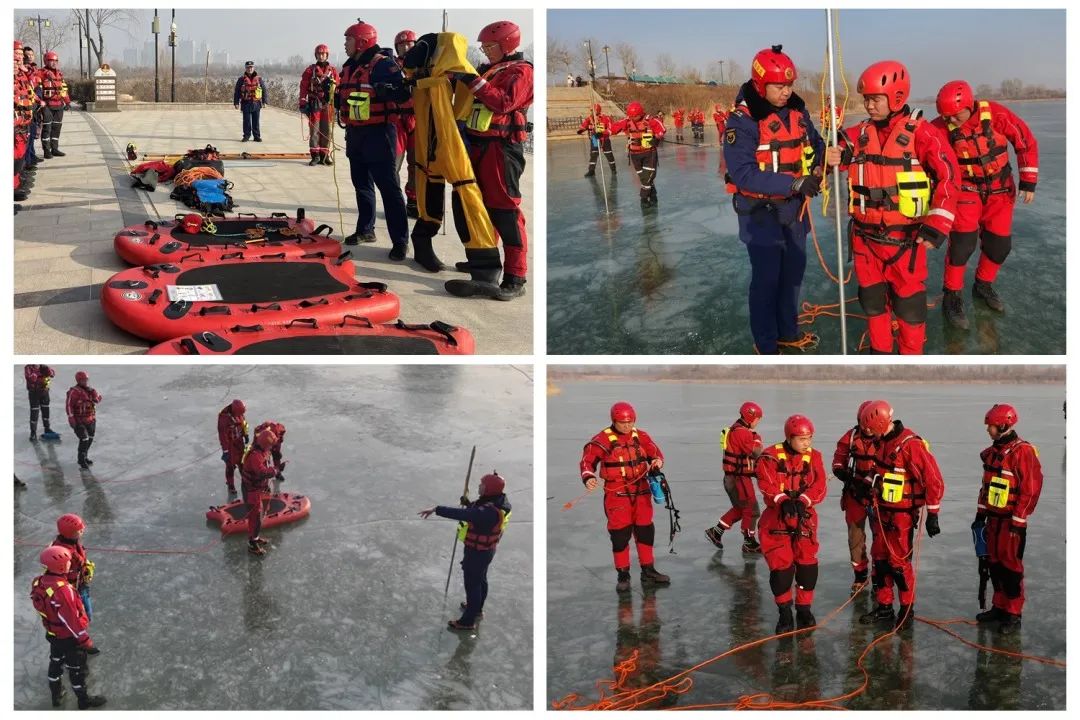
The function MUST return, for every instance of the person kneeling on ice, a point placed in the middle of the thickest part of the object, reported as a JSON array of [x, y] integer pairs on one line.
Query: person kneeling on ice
[[482, 526], [773, 155], [66, 625], [791, 477], [275, 451], [643, 132], [70, 528], [38, 379], [853, 465], [742, 447], [1011, 484], [625, 456], [903, 176], [256, 470], [233, 435], [980, 133], [82, 415]]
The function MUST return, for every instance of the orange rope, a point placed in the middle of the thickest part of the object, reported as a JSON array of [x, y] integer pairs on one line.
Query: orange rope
[[940, 625]]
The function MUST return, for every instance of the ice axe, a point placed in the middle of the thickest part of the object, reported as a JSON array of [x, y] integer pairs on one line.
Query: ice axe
[[457, 531], [978, 536]]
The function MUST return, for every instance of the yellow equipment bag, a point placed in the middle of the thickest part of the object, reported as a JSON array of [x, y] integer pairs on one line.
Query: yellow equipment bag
[[913, 190]]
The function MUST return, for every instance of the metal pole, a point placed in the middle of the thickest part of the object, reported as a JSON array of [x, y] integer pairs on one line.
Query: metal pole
[[157, 50], [89, 64], [601, 158], [592, 63], [721, 71], [607, 66], [836, 185], [78, 19], [41, 47], [172, 42], [453, 552]]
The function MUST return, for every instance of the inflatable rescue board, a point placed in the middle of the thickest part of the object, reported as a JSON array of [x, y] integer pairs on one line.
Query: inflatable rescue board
[[278, 509]]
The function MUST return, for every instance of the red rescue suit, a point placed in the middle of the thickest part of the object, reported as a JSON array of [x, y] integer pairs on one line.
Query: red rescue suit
[[987, 189], [77, 571], [494, 133], [624, 461], [720, 118], [790, 543], [741, 447], [81, 402], [61, 609], [890, 265], [1011, 485], [275, 451], [24, 115], [679, 117], [233, 436], [598, 126], [853, 462], [641, 138], [908, 478], [316, 84], [54, 90], [406, 143], [255, 473]]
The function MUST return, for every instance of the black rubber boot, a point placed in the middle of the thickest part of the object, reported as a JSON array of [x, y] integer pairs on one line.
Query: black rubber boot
[[952, 306], [82, 462], [623, 584], [411, 210], [398, 253], [715, 535], [315, 160], [860, 581], [56, 149], [651, 576], [87, 701], [482, 284], [880, 614], [786, 623], [591, 172], [804, 618], [750, 544], [48, 154], [905, 617], [255, 548], [56, 689], [463, 266], [994, 614], [1010, 624], [614, 171], [21, 195], [326, 160], [424, 254], [985, 292], [479, 615], [357, 238], [512, 287]]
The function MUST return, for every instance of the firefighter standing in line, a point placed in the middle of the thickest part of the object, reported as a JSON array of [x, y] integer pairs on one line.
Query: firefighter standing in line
[[316, 94], [81, 405], [643, 132], [38, 379], [625, 456], [31, 71], [1011, 484], [680, 118], [742, 447], [853, 464], [598, 125], [23, 122], [980, 133], [70, 528], [249, 96], [232, 431], [53, 91], [481, 527]]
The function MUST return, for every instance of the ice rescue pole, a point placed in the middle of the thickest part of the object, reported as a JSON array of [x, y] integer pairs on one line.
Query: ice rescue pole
[[836, 176], [464, 498], [601, 158]]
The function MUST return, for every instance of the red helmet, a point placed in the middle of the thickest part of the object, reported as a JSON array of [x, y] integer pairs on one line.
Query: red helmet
[[889, 78], [875, 418], [504, 32], [634, 111], [191, 223], [266, 439], [237, 407], [797, 425], [492, 484], [750, 411], [623, 412], [364, 34], [69, 525], [858, 415], [56, 559], [597, 109], [953, 97], [278, 429], [771, 66], [51, 57], [1002, 416], [321, 48], [403, 37], [81, 377]]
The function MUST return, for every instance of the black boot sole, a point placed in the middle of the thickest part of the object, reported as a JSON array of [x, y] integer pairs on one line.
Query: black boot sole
[[472, 288]]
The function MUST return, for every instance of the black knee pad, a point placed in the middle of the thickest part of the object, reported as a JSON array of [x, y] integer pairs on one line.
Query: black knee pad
[[996, 247], [620, 538], [645, 534], [881, 570], [898, 578], [1010, 582], [873, 298], [780, 580], [910, 309], [505, 222], [806, 576], [961, 246]]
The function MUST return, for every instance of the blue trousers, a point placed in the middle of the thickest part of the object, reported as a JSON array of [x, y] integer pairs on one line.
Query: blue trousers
[[251, 120], [777, 269], [372, 153], [31, 156], [474, 566]]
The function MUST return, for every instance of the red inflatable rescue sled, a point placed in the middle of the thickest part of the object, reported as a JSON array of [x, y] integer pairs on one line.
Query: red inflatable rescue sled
[[278, 509]]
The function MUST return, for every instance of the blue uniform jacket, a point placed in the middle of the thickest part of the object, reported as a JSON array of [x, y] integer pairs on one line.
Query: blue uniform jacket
[[483, 517], [240, 83]]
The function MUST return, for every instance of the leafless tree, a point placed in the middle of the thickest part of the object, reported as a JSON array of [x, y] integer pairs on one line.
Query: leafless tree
[[689, 75], [475, 56], [733, 72], [559, 57], [102, 18], [52, 36], [628, 56], [665, 64]]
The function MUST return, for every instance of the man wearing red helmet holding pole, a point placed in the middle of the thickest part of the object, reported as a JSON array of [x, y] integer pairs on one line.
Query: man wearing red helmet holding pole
[[742, 447], [1011, 484], [625, 456], [316, 95], [483, 523], [598, 125], [406, 124], [256, 470], [82, 403], [791, 477], [70, 528], [980, 133], [643, 132], [495, 132], [367, 105], [773, 155], [903, 180], [232, 431], [853, 464], [907, 479], [53, 91]]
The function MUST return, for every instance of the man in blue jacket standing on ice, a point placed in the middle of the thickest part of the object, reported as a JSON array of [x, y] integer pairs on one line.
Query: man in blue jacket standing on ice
[[481, 527], [774, 157]]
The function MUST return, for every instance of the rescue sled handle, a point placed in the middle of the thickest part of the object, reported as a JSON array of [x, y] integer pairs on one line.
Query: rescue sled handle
[[464, 499]]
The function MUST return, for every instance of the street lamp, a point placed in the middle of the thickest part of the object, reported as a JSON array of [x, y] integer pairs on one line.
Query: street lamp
[[592, 63], [607, 65], [172, 44], [155, 28], [37, 22], [721, 64]]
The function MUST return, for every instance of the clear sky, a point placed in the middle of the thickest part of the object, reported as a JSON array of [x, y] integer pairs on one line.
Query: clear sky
[[261, 33], [936, 45]]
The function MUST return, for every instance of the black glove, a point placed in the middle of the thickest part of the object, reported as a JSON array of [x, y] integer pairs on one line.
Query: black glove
[[580, 131], [808, 185], [790, 508], [931, 235], [466, 78], [464, 500], [932, 527]]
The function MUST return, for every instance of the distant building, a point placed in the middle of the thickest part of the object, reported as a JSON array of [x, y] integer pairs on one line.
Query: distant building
[[185, 52], [131, 58], [221, 57], [146, 57], [204, 49]]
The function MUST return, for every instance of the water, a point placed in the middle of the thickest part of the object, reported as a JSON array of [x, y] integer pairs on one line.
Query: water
[[719, 599], [346, 611], [673, 280]]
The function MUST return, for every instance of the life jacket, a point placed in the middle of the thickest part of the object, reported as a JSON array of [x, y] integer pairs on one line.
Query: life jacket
[[983, 155], [251, 88], [640, 135], [888, 189], [236, 428], [800, 475], [51, 595], [861, 455], [36, 379], [486, 123], [476, 540], [1000, 486], [257, 473], [317, 95], [625, 464], [679, 116], [898, 491], [81, 403], [736, 464], [53, 87], [24, 101], [356, 102], [77, 571], [781, 148]]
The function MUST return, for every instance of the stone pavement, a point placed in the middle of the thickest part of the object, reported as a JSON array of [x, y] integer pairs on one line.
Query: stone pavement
[[64, 235]]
